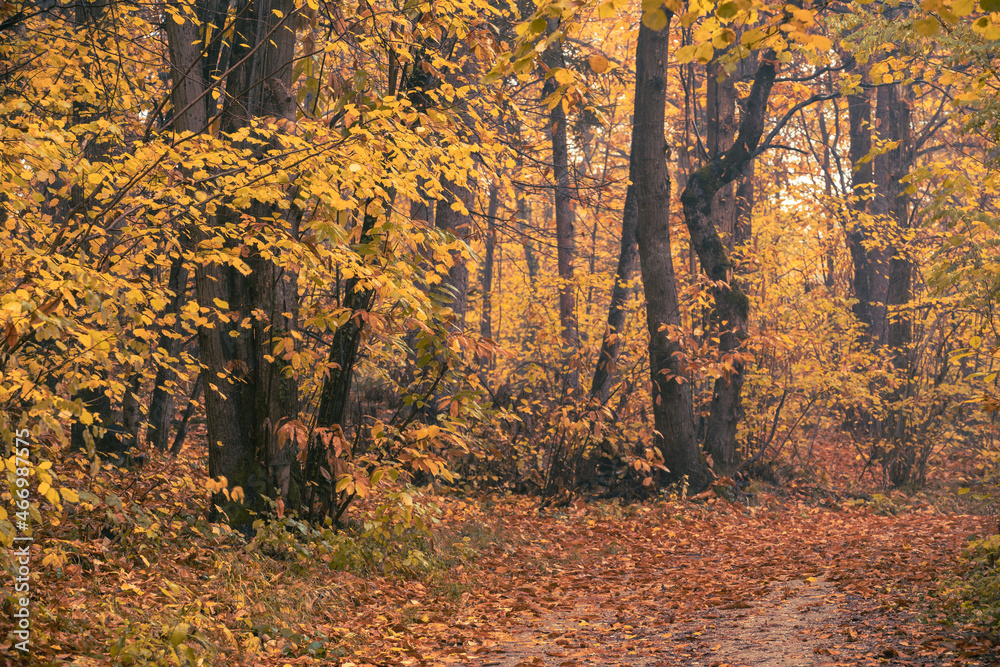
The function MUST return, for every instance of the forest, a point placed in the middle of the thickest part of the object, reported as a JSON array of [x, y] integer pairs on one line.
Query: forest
[[562, 332]]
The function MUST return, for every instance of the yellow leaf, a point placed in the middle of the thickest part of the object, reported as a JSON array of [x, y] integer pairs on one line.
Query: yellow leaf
[[655, 20], [685, 54], [822, 42], [927, 26], [70, 495], [563, 76], [704, 53], [963, 7], [180, 632]]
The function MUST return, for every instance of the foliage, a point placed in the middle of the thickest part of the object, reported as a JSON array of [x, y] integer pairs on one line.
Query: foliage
[[336, 275]]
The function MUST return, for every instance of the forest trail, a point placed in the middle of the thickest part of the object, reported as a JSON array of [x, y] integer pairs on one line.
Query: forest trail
[[712, 586]]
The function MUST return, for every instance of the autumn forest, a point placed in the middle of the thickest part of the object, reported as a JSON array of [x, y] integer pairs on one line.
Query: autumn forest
[[499, 333]]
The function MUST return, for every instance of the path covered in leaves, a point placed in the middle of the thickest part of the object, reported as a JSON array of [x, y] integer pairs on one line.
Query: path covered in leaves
[[685, 584]]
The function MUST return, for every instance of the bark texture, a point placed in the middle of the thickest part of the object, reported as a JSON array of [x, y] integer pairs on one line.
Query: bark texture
[[731, 309], [486, 324], [611, 343], [672, 402], [248, 396], [565, 214]]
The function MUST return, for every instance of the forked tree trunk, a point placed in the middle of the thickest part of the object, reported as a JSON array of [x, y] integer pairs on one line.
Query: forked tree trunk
[[731, 310], [730, 217]]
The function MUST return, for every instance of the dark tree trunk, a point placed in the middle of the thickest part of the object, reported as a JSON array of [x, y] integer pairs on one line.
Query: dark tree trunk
[[527, 245], [731, 208], [672, 402], [731, 309], [883, 270], [720, 132], [486, 323], [611, 343], [185, 421], [860, 117], [457, 224], [565, 214], [345, 346], [730, 216], [895, 331], [161, 402], [248, 396]]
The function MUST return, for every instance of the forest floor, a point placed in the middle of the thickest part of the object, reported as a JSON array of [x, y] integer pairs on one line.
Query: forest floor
[[798, 574]]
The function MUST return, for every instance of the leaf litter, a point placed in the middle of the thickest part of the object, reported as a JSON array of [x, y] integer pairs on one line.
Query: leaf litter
[[791, 581]]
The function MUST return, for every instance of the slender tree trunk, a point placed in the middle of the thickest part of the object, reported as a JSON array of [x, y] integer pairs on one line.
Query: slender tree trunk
[[672, 402], [527, 245], [161, 403], [565, 215], [486, 323], [185, 421], [457, 223], [345, 346], [611, 343]]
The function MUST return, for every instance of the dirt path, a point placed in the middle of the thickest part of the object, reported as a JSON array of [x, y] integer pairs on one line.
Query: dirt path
[[791, 627], [796, 587]]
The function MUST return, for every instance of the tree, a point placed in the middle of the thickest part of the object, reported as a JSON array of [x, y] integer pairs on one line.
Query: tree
[[672, 402]]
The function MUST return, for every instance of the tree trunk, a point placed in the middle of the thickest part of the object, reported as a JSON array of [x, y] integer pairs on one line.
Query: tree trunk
[[860, 116], [345, 345], [486, 322], [720, 132], [248, 395], [527, 245], [731, 207], [611, 344], [161, 403], [565, 215], [731, 309], [882, 270], [895, 332], [672, 402], [458, 225]]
